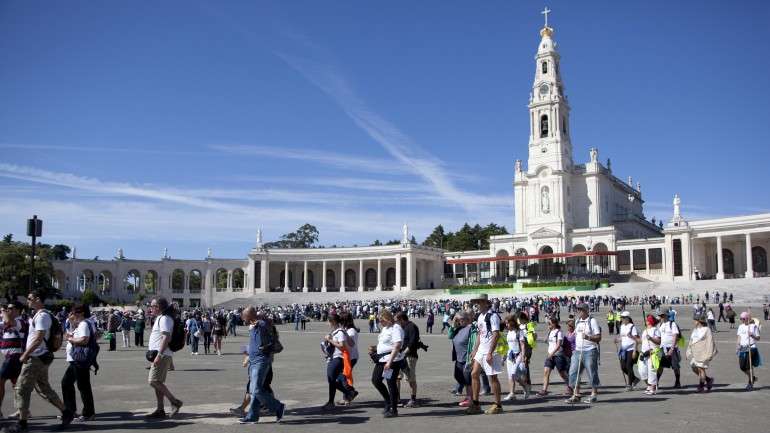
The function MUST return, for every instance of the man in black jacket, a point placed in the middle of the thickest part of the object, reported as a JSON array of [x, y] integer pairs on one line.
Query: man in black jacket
[[411, 344]]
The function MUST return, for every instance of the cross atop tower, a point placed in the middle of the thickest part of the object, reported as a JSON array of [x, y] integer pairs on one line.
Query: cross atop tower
[[545, 12]]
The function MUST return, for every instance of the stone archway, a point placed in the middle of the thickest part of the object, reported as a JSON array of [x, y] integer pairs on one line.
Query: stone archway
[[502, 267], [545, 266], [759, 259]]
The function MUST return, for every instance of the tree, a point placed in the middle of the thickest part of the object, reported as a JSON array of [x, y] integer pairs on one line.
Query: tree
[[467, 238], [376, 243], [305, 237], [393, 242], [60, 252], [15, 269], [436, 238]]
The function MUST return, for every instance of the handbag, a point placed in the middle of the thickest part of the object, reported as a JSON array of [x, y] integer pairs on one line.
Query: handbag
[[80, 354], [197, 334], [150, 355]]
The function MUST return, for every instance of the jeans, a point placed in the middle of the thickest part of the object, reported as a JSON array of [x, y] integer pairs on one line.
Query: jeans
[[195, 344], [258, 370], [333, 372], [389, 393], [126, 338], [627, 365], [82, 376], [206, 342], [462, 377], [588, 362], [344, 380]]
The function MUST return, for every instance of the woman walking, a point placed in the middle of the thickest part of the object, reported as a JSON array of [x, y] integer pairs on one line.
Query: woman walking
[[349, 356], [628, 337], [649, 361], [700, 351], [206, 329], [193, 329], [389, 361], [514, 360], [556, 358], [218, 332], [78, 369], [335, 344], [746, 346]]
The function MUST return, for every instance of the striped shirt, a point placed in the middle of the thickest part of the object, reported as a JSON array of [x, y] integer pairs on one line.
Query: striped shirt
[[12, 342]]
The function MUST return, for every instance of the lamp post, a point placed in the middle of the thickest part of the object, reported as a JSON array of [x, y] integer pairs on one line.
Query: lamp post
[[35, 230]]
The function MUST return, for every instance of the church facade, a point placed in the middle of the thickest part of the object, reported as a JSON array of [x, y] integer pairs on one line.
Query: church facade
[[571, 220]]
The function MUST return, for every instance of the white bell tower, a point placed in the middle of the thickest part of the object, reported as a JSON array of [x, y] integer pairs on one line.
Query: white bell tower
[[549, 143]]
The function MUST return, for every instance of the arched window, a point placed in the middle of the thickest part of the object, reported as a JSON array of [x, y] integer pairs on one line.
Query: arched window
[[545, 67], [544, 125], [132, 281], [86, 280], [371, 278], [104, 282], [150, 281], [310, 281], [759, 259], [177, 281], [196, 281], [220, 280], [728, 262], [238, 280], [502, 267], [350, 279], [282, 278], [331, 282], [390, 278]]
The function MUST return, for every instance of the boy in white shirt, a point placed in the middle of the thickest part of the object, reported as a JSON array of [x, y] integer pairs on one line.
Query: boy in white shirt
[[484, 357]]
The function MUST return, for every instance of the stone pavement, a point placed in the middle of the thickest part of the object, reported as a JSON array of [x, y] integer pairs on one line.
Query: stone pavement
[[209, 385]]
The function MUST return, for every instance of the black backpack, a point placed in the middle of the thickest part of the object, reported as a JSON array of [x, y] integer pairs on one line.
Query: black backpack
[[55, 337], [177, 331]]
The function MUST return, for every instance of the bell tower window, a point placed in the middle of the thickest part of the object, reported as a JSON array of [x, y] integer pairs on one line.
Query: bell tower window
[[545, 67], [543, 126]]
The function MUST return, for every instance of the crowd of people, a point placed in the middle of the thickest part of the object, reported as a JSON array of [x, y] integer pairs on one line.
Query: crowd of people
[[488, 338]]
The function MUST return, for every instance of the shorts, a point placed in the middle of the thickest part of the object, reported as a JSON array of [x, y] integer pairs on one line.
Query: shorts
[[743, 359], [410, 372], [670, 361], [557, 362], [159, 371], [516, 369], [490, 370], [11, 368]]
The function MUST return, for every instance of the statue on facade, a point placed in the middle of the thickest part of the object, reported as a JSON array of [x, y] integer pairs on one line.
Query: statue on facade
[[259, 238], [165, 253], [517, 166], [545, 200], [208, 253], [405, 235], [677, 207], [120, 253], [594, 154]]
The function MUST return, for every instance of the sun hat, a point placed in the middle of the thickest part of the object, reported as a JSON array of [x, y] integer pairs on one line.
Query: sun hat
[[745, 315], [625, 314], [483, 298]]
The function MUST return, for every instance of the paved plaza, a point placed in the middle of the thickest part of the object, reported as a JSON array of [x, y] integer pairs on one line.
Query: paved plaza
[[209, 385]]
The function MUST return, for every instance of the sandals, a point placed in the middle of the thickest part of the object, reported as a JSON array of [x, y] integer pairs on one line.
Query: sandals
[[542, 393]]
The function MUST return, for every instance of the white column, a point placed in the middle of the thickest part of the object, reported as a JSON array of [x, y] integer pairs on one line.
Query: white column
[[264, 276], [323, 276], [286, 277], [749, 263], [411, 284], [465, 274], [720, 269], [360, 275], [397, 286], [379, 275], [342, 275], [304, 277], [630, 259]]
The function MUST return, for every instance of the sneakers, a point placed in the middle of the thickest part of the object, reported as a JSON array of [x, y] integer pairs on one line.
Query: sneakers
[[749, 387], [572, 400], [237, 411], [473, 409], [494, 409], [247, 421], [465, 403], [279, 412], [635, 382], [650, 392], [390, 414], [66, 418], [509, 397], [590, 399], [175, 408], [83, 418], [158, 414], [411, 404]]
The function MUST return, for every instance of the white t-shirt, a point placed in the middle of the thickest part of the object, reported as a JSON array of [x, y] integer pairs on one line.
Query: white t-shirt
[[512, 337], [41, 321], [668, 331], [354, 348], [554, 338], [83, 330], [338, 336], [387, 340], [627, 331], [649, 344], [743, 333], [486, 337], [589, 327], [162, 324], [698, 334]]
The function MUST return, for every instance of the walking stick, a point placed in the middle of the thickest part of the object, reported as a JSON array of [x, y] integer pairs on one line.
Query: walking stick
[[617, 350]]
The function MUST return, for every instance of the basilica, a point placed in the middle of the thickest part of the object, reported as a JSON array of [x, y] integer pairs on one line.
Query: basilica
[[572, 220]]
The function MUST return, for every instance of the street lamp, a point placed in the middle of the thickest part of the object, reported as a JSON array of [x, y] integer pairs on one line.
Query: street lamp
[[35, 230]]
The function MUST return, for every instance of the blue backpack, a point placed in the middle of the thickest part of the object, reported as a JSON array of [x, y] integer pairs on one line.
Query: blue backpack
[[85, 356]]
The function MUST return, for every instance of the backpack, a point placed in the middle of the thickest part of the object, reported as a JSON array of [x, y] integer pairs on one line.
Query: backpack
[[277, 346], [55, 338], [566, 346], [86, 355], [177, 332]]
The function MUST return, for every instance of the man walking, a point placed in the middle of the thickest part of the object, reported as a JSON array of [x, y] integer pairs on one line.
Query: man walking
[[485, 359], [669, 335], [260, 351], [586, 355], [35, 362], [411, 344], [161, 354]]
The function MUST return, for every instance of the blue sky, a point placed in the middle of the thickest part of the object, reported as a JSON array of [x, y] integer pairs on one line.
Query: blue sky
[[188, 124]]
